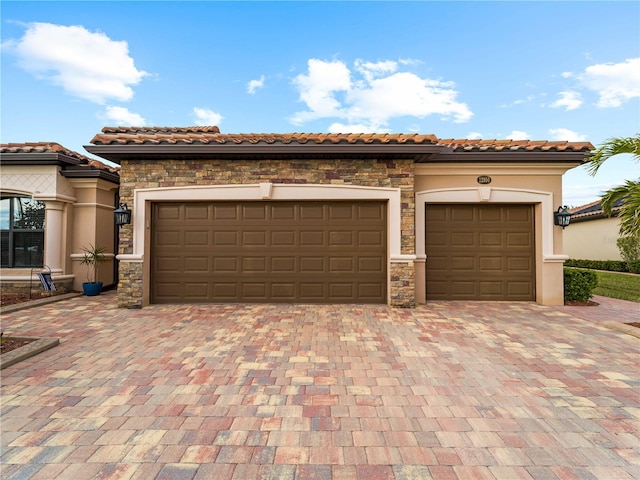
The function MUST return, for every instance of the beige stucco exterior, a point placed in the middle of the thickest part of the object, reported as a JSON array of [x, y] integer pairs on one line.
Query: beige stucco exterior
[[538, 185], [593, 239], [78, 212]]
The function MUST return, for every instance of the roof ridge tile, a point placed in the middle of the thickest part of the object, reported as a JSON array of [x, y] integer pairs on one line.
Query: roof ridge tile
[[209, 134]]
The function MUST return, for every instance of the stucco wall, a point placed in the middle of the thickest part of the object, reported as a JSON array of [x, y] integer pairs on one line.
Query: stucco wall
[[538, 185], [146, 174], [94, 224], [78, 212], [593, 239], [41, 180]]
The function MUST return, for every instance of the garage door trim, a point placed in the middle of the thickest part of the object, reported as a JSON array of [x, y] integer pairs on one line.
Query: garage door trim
[[144, 197], [544, 206]]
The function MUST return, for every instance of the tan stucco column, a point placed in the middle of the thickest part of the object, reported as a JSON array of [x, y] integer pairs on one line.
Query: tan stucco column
[[54, 235]]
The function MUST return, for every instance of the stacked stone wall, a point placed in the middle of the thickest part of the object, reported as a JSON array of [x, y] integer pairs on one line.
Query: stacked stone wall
[[130, 285], [402, 277], [337, 171]]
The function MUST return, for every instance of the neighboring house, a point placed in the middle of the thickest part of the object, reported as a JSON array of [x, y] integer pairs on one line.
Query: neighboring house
[[54, 202], [328, 218], [592, 235]]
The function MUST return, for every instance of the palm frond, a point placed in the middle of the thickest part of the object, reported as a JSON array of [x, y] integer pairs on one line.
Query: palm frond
[[629, 214], [612, 147]]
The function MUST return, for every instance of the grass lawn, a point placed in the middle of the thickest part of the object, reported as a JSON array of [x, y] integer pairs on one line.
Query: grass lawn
[[618, 285]]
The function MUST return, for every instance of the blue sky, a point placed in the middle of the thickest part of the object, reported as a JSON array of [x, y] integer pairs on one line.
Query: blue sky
[[524, 70]]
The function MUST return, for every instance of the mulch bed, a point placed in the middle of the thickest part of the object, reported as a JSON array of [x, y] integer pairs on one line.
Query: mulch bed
[[15, 298], [8, 345], [579, 303]]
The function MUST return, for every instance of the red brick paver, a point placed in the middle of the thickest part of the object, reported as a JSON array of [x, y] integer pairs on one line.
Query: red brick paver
[[453, 390]]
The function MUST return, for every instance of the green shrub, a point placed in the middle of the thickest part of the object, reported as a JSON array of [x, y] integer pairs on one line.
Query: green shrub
[[634, 267], [629, 248], [608, 265], [579, 284]]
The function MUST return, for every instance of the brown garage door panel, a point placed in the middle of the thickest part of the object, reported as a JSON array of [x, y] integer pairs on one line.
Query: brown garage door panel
[[480, 252], [273, 291], [318, 252]]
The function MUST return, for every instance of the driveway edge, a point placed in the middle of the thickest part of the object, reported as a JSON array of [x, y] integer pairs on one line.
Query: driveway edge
[[623, 327], [34, 347], [39, 301]]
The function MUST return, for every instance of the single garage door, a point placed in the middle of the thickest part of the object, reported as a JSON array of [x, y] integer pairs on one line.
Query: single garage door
[[306, 252], [480, 252]]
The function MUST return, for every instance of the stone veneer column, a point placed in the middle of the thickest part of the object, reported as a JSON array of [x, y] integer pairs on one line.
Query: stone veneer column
[[53, 235], [402, 273], [130, 284], [402, 277]]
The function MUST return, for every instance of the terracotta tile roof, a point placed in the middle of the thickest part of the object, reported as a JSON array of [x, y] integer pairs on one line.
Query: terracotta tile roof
[[513, 145], [206, 135], [211, 134], [593, 210], [52, 147]]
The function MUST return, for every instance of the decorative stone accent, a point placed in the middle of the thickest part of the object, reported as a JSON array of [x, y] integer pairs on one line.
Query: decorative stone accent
[[130, 285], [340, 171], [402, 277]]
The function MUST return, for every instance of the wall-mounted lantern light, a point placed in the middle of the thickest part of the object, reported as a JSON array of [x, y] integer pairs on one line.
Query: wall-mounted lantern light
[[122, 215], [562, 217]]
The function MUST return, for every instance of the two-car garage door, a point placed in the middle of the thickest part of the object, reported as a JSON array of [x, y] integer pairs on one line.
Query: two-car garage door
[[480, 252], [306, 252]]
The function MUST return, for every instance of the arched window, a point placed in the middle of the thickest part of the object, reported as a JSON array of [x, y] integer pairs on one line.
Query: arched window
[[22, 232]]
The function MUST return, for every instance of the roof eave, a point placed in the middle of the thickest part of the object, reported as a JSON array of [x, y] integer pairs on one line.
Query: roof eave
[[88, 172], [42, 158], [115, 153], [526, 156], [583, 217]]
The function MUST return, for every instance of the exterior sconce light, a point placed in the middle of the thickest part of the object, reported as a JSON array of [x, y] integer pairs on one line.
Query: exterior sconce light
[[122, 215], [562, 217]]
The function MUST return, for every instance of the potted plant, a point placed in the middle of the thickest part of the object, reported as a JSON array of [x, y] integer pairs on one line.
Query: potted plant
[[92, 258]]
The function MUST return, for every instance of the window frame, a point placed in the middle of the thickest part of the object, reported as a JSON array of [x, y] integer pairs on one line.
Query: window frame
[[8, 240]]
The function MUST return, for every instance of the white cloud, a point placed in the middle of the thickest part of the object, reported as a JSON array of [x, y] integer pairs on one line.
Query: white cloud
[[253, 85], [518, 135], [474, 136], [518, 101], [569, 100], [614, 83], [206, 117], [85, 64], [378, 93], [371, 70], [562, 134], [410, 61], [122, 116], [318, 87]]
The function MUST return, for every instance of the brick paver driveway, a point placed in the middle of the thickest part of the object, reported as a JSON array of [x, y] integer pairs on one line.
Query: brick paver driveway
[[444, 391]]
